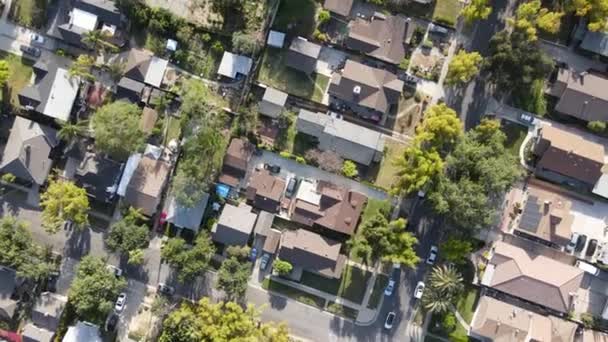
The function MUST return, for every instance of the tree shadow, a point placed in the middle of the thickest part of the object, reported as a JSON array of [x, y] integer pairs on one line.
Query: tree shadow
[[78, 244], [277, 302]]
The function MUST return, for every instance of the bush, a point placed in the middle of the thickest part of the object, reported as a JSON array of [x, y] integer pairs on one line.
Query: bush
[[588, 320], [427, 44], [349, 169], [444, 20], [449, 322], [596, 126], [285, 154], [320, 36], [404, 64], [217, 47], [323, 17], [300, 160]]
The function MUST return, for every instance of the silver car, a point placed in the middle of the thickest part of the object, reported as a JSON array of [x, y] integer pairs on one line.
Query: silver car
[[120, 302], [390, 319]]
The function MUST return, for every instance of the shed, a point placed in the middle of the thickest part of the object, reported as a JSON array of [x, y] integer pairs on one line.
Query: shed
[[233, 64], [276, 39], [272, 103]]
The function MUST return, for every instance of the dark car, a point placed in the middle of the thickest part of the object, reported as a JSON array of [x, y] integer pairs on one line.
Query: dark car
[[291, 187], [112, 322], [591, 248], [272, 168], [580, 244], [50, 284], [30, 50], [166, 289]]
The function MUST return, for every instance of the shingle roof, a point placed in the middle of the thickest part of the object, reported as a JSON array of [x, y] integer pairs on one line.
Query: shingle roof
[[382, 37], [341, 7], [265, 190], [312, 251], [145, 187], [234, 225], [596, 42], [47, 310], [582, 96], [8, 282], [189, 218], [99, 176]]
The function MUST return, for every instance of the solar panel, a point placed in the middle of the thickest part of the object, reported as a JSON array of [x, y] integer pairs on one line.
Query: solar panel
[[531, 215]]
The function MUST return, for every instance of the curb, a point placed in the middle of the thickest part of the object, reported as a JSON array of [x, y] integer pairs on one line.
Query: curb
[[375, 318]]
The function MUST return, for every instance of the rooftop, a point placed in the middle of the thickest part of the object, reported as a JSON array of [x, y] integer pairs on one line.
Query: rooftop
[[382, 37], [83, 19], [341, 7], [312, 251], [238, 218], [233, 64], [184, 217], [304, 47], [580, 95]]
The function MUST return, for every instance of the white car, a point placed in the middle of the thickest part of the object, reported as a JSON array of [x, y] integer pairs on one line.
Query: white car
[[432, 255], [37, 39], [389, 288], [390, 319], [120, 302], [419, 290], [572, 244]]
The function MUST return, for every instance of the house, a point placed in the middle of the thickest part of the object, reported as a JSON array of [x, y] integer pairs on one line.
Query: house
[[346, 139], [144, 179], [302, 55], [186, 217], [91, 15], [235, 162], [265, 191], [580, 95], [264, 232], [9, 282], [53, 91], [382, 37], [594, 336], [309, 251], [44, 318], [276, 39], [82, 331], [27, 154], [369, 92], [532, 277], [341, 8], [234, 66], [568, 158], [98, 175], [142, 70], [595, 43], [333, 210], [495, 320], [234, 225], [273, 103]]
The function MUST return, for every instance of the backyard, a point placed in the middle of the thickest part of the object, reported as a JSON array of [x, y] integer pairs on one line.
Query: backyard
[[30, 13], [20, 74], [446, 12], [350, 286], [296, 17], [274, 73], [388, 170], [516, 134]]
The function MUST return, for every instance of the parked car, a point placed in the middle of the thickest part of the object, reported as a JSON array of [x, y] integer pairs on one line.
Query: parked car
[[390, 319], [117, 271], [30, 50], [434, 28], [432, 255], [112, 322], [591, 248], [580, 244], [166, 289], [572, 243], [291, 187], [418, 290], [264, 261], [120, 302], [51, 282], [253, 254], [526, 118], [389, 288], [272, 168], [35, 38]]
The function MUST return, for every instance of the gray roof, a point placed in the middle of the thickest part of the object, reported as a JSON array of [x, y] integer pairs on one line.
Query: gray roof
[[106, 10], [312, 251], [47, 310], [264, 223], [8, 282], [131, 84], [189, 218], [272, 102], [302, 55], [26, 154], [32, 333], [82, 331], [306, 48], [582, 95], [383, 37], [99, 176], [596, 42], [341, 7], [234, 225]]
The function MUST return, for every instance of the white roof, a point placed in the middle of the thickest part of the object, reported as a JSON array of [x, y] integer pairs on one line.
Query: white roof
[[233, 64], [84, 19], [111, 29], [62, 96], [601, 187], [307, 192], [276, 39], [156, 71], [130, 167], [171, 44], [82, 331]]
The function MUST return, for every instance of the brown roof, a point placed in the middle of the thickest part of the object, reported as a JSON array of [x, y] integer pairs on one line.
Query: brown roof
[[235, 161], [569, 154], [369, 87], [148, 119], [503, 322], [272, 241], [535, 278], [312, 252], [382, 37], [581, 95], [341, 7], [265, 190], [145, 187]]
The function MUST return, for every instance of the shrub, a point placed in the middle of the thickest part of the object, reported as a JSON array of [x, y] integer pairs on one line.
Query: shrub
[[427, 44], [323, 17], [449, 322], [300, 160], [281, 267], [320, 36], [404, 64], [217, 47], [444, 20], [349, 169], [596, 126], [285, 154]]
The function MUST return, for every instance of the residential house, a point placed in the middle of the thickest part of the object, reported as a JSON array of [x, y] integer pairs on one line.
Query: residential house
[[27, 154], [341, 8], [594, 336], [309, 251], [495, 320], [98, 175], [369, 92], [235, 162], [332, 210], [533, 277], [144, 179], [381, 36], [53, 91], [273, 103], [580, 95], [9, 282], [143, 74], [568, 158], [348, 140], [234, 66], [187, 217], [302, 55], [265, 190], [264, 232], [82, 331], [595, 43], [234, 226], [91, 15], [44, 318]]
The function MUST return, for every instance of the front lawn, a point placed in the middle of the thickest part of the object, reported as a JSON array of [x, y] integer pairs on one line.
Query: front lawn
[[378, 292], [350, 286], [274, 73], [296, 17], [371, 208], [294, 293], [30, 13], [466, 308], [515, 136], [388, 169], [342, 310], [466, 303], [20, 70], [446, 12]]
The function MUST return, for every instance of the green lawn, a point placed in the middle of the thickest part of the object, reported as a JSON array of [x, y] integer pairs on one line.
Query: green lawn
[[294, 293], [446, 12], [276, 74], [174, 128], [30, 13], [466, 303], [388, 170], [378, 292], [350, 286], [342, 310], [20, 75], [515, 136], [466, 308], [296, 17]]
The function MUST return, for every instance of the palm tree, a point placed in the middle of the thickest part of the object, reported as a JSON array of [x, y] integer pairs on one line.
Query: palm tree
[[446, 279], [81, 68], [435, 301], [99, 39], [71, 131]]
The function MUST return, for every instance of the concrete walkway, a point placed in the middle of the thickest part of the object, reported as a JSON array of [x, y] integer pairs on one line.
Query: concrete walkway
[[315, 292]]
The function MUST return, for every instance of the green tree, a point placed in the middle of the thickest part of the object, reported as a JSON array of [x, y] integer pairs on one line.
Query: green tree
[[245, 43], [444, 286], [221, 322], [456, 250], [281, 267], [463, 67], [595, 10], [71, 131], [128, 235], [533, 99], [323, 17], [4, 73], [18, 251], [117, 130], [136, 257], [349, 169], [94, 290], [98, 41], [64, 201], [189, 262], [81, 68], [239, 252], [416, 169], [596, 126], [232, 278], [440, 129], [476, 10], [449, 322]]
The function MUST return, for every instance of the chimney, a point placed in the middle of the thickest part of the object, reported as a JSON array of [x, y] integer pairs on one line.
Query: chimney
[[28, 155], [547, 204], [357, 90]]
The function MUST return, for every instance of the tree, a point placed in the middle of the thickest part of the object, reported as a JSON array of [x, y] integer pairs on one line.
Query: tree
[[81, 68], [349, 169], [221, 322], [117, 130], [416, 169], [128, 236], [595, 10], [4, 72], [532, 99], [530, 15], [98, 40], [445, 284], [94, 289], [233, 276], [71, 131], [463, 67], [245, 43], [189, 262], [456, 250], [64, 201], [476, 10], [440, 129], [323, 17], [596, 126], [282, 267], [239, 252], [136, 257], [18, 251]]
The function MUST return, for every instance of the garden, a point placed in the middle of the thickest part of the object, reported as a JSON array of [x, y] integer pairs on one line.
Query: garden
[[29, 13], [20, 73], [296, 17]]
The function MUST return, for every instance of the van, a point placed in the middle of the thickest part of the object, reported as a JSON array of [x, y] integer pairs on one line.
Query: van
[[588, 268], [572, 244]]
